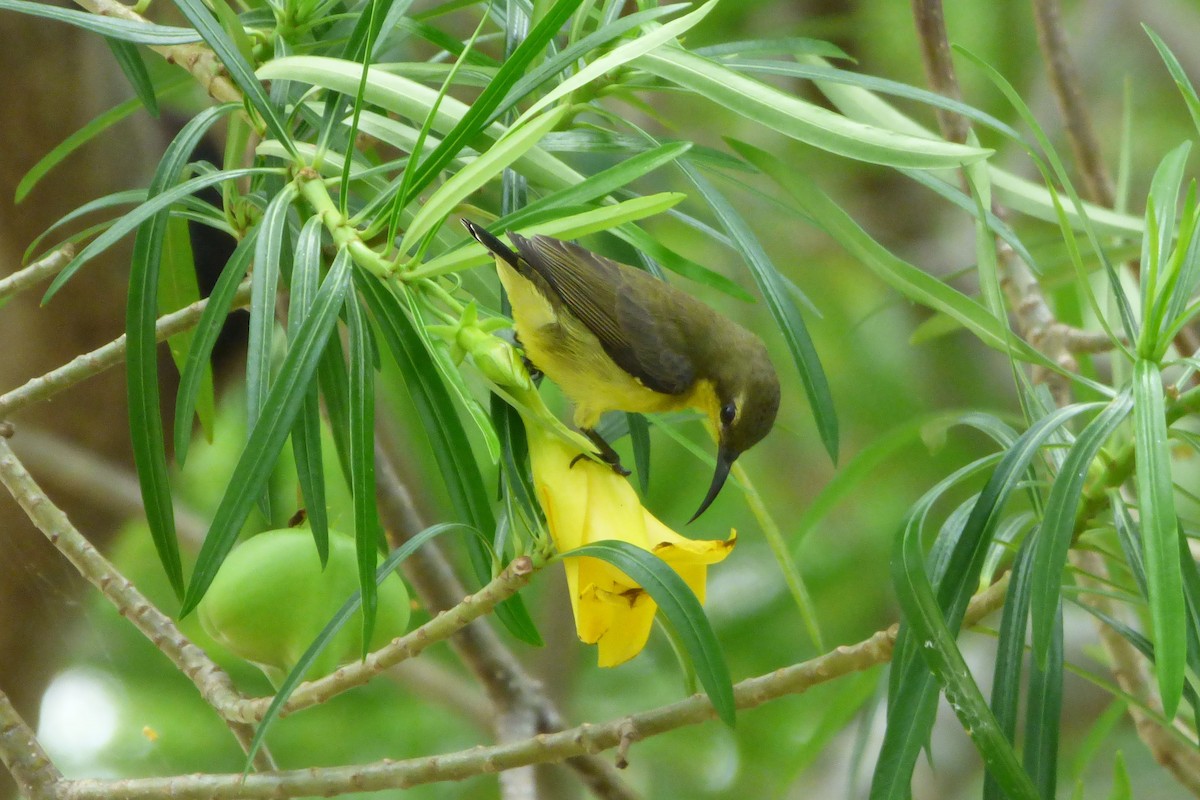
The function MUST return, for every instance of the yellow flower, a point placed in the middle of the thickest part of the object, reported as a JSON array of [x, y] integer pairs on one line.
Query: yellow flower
[[590, 503]]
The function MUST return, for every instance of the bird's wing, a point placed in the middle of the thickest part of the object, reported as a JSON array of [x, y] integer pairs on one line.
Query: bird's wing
[[611, 301]]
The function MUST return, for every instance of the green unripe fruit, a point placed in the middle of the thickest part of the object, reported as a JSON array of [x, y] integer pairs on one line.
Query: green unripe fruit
[[271, 599]]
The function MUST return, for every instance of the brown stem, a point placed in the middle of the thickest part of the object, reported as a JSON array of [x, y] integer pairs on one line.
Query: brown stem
[[939, 67]]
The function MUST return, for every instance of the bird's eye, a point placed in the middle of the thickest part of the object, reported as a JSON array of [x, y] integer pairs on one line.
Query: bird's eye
[[728, 412]]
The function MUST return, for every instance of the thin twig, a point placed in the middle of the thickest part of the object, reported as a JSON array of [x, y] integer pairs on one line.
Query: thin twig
[[105, 357], [31, 768], [441, 627], [1064, 79], [214, 685], [519, 700], [36, 272], [939, 67], [546, 747]]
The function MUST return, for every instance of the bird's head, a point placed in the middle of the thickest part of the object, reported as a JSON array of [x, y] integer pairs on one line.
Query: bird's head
[[745, 401]]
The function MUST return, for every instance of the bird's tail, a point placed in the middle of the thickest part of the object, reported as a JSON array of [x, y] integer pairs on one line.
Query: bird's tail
[[493, 244]]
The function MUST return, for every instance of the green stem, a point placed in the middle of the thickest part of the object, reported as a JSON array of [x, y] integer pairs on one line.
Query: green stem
[[314, 190], [783, 556]]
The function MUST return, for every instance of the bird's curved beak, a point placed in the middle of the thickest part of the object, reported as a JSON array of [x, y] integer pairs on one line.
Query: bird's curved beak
[[725, 458]]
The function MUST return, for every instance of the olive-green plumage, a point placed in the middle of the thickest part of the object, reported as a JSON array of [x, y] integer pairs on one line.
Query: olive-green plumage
[[616, 338]]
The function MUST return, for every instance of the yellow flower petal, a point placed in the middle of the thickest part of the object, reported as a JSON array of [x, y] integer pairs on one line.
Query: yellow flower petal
[[588, 503]]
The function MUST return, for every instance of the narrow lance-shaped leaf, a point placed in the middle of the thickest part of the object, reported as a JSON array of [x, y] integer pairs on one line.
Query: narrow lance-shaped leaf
[[681, 607], [471, 177], [801, 120], [367, 534], [264, 287], [1160, 533], [242, 73], [1058, 521], [179, 287], [141, 357], [1043, 714], [477, 117], [451, 447], [135, 72], [120, 29], [941, 653], [306, 435], [206, 332], [912, 691], [783, 309], [266, 440], [154, 204], [1010, 656]]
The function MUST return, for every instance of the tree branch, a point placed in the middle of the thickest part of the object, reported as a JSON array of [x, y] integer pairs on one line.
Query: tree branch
[[105, 357], [31, 768], [546, 747], [36, 272]]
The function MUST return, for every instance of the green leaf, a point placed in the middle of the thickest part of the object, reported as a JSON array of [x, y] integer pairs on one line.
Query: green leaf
[[518, 140], [575, 50], [451, 447], [639, 438], [239, 70], [1182, 81], [780, 301], [683, 611], [912, 692], [266, 440], [1058, 520], [765, 105], [149, 208], [130, 61], [414, 101], [600, 184], [368, 536], [639, 47], [141, 357], [914, 283], [327, 634], [212, 319], [264, 290], [1044, 714], [922, 612], [1010, 656], [264, 287], [1160, 533], [476, 118], [178, 287], [109, 27], [574, 226], [648, 246], [306, 435]]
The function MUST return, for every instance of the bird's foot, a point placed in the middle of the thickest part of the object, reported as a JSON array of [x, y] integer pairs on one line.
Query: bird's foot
[[606, 453]]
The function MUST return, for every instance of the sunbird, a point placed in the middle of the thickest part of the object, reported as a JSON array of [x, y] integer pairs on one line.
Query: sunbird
[[615, 338]]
